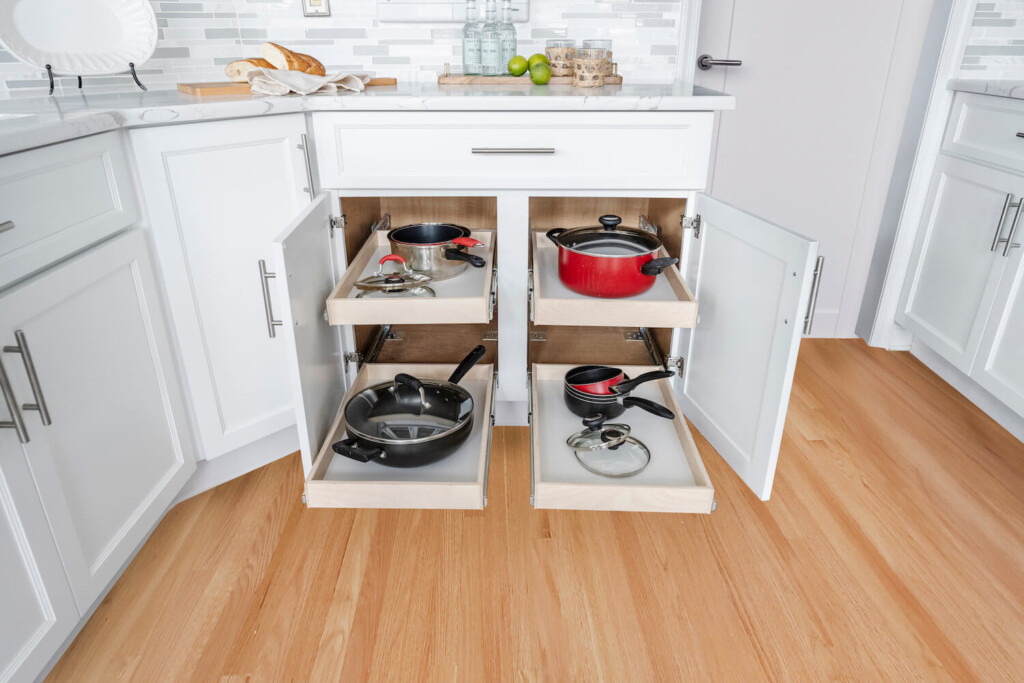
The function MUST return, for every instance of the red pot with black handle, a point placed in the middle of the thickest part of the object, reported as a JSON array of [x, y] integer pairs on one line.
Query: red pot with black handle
[[608, 261]]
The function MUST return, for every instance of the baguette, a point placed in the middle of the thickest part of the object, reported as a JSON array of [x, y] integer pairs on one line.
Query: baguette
[[237, 71], [282, 58], [313, 65]]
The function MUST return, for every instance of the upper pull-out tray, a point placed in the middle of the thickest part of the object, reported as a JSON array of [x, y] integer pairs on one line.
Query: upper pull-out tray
[[459, 482], [674, 481], [669, 303], [465, 298]]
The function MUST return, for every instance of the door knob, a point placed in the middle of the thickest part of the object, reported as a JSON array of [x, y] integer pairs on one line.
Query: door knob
[[706, 61]]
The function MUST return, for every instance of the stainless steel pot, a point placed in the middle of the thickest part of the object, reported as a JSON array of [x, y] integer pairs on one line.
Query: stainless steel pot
[[438, 249]]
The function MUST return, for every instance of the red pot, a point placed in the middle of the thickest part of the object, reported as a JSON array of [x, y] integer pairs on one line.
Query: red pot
[[608, 261]]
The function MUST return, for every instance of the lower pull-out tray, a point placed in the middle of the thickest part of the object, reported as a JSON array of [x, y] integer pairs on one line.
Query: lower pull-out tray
[[457, 482], [674, 481]]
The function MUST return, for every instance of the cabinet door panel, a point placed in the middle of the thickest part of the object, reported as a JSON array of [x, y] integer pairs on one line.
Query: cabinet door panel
[[1000, 365], [950, 287], [218, 193], [117, 450]]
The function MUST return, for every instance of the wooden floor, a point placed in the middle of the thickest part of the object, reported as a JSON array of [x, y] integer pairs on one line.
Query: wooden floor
[[892, 549]]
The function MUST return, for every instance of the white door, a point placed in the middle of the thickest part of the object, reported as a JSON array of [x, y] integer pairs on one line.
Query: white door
[[1000, 364], [304, 262], [37, 608], [117, 448], [217, 194], [752, 283], [957, 262]]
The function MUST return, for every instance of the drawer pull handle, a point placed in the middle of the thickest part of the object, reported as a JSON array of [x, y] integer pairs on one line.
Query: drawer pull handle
[[513, 150], [16, 422], [265, 278], [33, 378], [6, 225], [1020, 134]]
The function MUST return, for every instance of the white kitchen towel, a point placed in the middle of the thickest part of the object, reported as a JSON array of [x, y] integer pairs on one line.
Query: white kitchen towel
[[280, 82]]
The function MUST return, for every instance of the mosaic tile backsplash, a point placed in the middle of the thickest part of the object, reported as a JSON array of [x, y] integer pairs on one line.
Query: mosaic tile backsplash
[[995, 48], [198, 38]]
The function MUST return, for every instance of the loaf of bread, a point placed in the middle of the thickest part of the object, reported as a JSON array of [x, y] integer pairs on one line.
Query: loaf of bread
[[237, 71], [282, 58], [313, 65]]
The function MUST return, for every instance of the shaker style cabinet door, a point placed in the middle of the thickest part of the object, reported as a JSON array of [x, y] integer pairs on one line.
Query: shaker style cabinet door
[[957, 262], [217, 194], [1000, 364], [88, 356]]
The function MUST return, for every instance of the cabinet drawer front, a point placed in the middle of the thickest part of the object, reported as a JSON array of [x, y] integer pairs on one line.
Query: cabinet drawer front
[[986, 128], [61, 199], [584, 150], [457, 482]]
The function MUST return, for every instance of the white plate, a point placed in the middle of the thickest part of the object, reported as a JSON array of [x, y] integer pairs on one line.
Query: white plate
[[79, 37]]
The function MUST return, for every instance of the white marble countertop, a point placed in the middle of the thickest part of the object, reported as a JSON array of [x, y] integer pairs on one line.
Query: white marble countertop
[[37, 121], [1014, 89]]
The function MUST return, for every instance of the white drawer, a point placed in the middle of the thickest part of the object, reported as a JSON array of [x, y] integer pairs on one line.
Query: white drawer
[[988, 129], [532, 150], [57, 200]]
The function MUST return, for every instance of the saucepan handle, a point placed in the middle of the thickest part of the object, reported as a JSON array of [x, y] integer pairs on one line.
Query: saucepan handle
[[553, 234], [467, 363], [650, 406], [467, 242], [471, 259], [655, 266], [349, 449], [631, 384]]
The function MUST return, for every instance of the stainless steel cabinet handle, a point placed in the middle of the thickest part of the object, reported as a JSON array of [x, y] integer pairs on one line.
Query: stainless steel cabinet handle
[[15, 423], [1013, 230], [33, 378], [6, 225], [1020, 134], [812, 303], [309, 166], [265, 278], [513, 150], [706, 61]]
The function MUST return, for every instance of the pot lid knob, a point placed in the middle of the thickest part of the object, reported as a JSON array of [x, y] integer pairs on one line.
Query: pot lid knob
[[609, 222]]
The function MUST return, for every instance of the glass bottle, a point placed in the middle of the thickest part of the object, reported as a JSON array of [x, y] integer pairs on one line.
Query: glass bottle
[[490, 42], [471, 64], [508, 35]]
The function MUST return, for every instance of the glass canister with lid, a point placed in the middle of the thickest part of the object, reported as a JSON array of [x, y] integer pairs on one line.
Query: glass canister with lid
[[560, 53]]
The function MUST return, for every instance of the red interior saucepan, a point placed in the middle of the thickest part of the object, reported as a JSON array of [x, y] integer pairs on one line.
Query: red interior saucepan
[[601, 380]]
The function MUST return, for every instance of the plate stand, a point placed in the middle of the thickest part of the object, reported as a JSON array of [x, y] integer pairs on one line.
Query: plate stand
[[131, 67]]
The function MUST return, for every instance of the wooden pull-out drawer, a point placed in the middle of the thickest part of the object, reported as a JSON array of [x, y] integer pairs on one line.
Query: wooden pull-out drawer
[[465, 298], [669, 303], [988, 129], [674, 481], [456, 482]]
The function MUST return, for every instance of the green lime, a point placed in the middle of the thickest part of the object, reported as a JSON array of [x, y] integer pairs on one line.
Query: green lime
[[540, 74], [538, 59], [517, 66]]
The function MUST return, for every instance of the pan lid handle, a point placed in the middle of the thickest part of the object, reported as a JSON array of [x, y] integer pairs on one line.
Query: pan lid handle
[[609, 221]]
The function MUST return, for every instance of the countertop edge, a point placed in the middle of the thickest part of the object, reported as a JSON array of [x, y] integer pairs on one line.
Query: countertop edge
[[997, 88]]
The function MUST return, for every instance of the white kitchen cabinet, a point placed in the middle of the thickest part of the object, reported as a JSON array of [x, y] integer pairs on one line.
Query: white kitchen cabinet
[[217, 194], [38, 609], [106, 439], [1000, 364], [957, 261]]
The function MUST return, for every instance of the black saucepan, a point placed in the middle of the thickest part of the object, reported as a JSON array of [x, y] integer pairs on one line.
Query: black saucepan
[[588, 405], [409, 422]]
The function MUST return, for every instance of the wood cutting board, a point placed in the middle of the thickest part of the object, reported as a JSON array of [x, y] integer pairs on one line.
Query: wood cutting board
[[232, 88], [514, 80]]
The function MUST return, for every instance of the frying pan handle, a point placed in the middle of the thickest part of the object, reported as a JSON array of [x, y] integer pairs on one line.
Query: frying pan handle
[[553, 234], [655, 266], [631, 384], [349, 449], [408, 380], [471, 259], [467, 242], [609, 222], [594, 422], [650, 406], [467, 363]]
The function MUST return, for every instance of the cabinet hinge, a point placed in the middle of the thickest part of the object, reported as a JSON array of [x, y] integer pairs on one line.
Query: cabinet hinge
[[675, 363], [303, 498], [353, 357], [691, 224], [337, 222]]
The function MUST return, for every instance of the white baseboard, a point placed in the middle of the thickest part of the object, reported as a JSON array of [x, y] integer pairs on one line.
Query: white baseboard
[[989, 404], [210, 473]]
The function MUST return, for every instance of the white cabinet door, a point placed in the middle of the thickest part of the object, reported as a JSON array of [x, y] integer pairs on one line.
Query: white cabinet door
[[956, 265], [117, 448], [1000, 364], [302, 256], [37, 608], [217, 194], [752, 283]]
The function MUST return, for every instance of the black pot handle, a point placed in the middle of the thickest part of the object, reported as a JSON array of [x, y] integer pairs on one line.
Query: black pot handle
[[650, 406], [408, 380], [349, 449], [471, 259], [609, 222], [553, 234], [594, 422], [655, 266], [467, 363], [630, 384]]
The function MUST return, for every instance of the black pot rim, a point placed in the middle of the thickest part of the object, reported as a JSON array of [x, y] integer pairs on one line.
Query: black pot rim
[[463, 393], [587, 229], [465, 233]]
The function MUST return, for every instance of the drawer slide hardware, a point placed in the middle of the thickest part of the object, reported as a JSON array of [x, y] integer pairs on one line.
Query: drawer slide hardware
[[530, 293], [265, 278], [812, 303], [490, 335], [337, 223], [33, 379], [633, 336], [494, 294], [16, 422], [691, 224], [6, 225], [538, 337]]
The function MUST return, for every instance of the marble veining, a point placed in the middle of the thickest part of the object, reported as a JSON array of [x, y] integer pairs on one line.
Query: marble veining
[[1000, 88], [33, 122]]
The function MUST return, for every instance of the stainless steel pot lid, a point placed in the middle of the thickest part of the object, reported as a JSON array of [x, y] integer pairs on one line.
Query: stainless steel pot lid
[[412, 292], [404, 278], [625, 460], [610, 239], [597, 434]]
